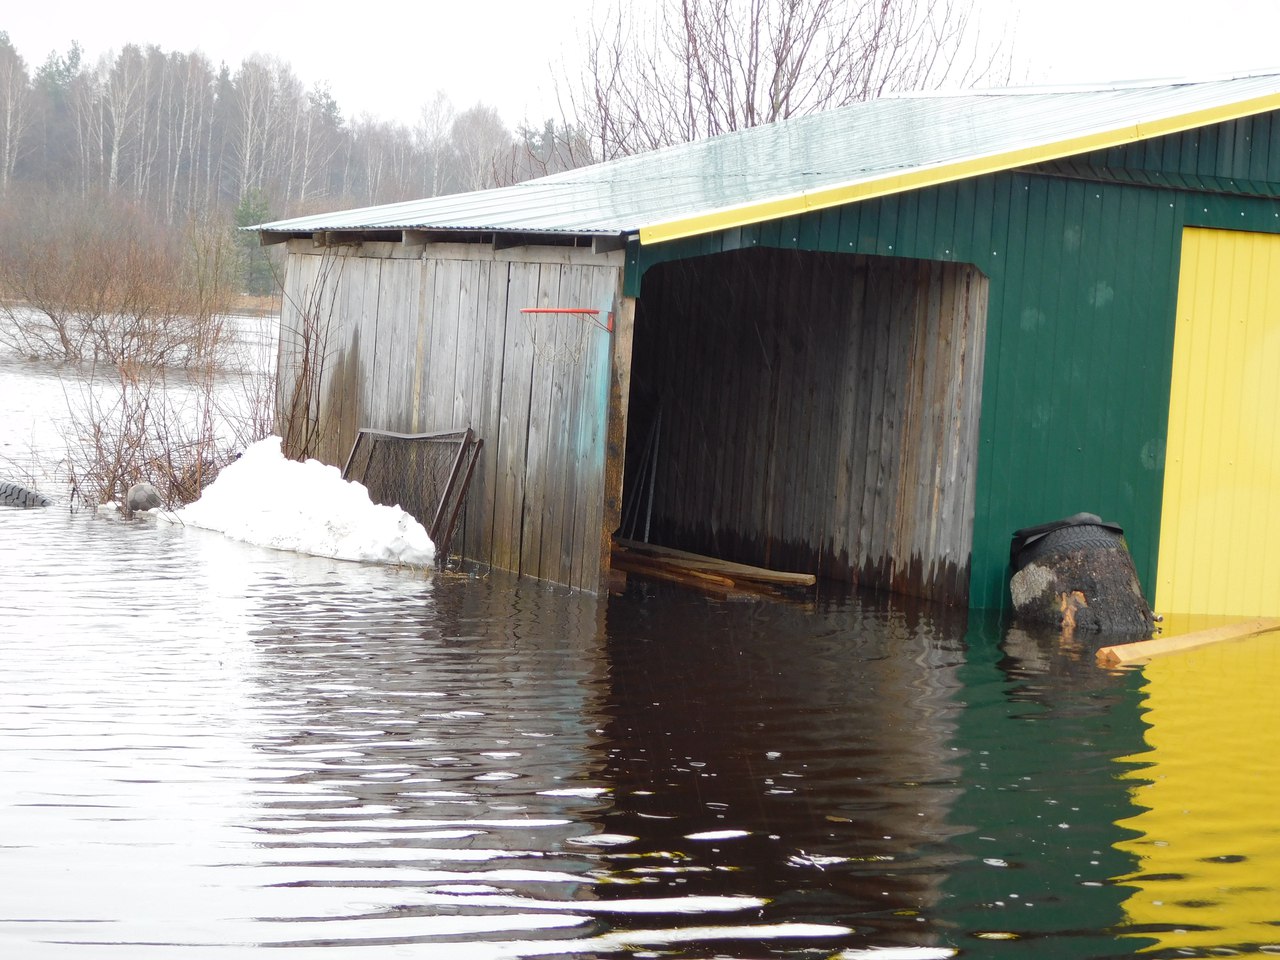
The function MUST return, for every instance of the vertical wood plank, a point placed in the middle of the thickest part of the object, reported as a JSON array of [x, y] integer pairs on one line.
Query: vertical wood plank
[[428, 272], [617, 426], [517, 379], [544, 340], [487, 407]]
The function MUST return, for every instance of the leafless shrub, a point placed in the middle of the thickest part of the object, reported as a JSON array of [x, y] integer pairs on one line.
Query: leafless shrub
[[142, 425], [304, 354], [99, 281]]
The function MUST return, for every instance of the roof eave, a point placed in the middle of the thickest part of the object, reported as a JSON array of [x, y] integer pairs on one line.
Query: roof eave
[[928, 176], [600, 240]]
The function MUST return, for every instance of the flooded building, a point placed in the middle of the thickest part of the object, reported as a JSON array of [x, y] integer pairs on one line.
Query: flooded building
[[867, 344]]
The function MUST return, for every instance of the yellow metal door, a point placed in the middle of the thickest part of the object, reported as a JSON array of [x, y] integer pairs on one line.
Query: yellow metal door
[[1221, 515]]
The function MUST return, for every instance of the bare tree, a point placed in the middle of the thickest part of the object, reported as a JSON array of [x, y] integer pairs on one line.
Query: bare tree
[[706, 67], [14, 96], [480, 140], [432, 138], [254, 117], [101, 281], [124, 100]]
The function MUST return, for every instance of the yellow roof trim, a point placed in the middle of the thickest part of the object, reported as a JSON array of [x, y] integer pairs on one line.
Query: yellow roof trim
[[919, 178]]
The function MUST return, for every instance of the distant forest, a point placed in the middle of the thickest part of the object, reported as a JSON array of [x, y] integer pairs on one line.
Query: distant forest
[[168, 148], [176, 140]]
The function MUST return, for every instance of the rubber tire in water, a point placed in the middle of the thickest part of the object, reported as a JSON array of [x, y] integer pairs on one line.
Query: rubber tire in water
[[16, 495], [1070, 539]]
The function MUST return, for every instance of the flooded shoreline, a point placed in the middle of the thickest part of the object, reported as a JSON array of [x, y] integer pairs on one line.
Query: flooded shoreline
[[214, 749]]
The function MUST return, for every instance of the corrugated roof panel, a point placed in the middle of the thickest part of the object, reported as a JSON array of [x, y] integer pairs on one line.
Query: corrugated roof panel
[[867, 149]]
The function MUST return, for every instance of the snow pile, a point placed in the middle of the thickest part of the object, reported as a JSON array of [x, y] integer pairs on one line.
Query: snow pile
[[266, 499]]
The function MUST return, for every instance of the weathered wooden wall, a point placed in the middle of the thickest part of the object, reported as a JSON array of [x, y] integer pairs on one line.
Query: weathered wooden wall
[[422, 339], [819, 412]]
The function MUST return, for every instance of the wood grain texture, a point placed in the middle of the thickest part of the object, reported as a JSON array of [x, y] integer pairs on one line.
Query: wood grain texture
[[819, 412], [437, 341], [1143, 650]]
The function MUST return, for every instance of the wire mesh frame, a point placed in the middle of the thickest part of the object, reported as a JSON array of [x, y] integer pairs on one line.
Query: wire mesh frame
[[425, 474]]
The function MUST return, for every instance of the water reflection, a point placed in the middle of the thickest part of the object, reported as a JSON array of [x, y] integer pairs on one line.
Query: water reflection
[[428, 757], [1042, 728], [208, 748], [1207, 881], [803, 756]]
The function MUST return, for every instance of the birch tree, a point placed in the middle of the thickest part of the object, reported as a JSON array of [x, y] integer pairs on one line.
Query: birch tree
[[432, 138], [480, 141], [15, 97], [124, 105]]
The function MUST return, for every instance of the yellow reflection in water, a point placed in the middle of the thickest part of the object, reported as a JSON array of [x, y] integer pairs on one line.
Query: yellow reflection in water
[[1209, 830]]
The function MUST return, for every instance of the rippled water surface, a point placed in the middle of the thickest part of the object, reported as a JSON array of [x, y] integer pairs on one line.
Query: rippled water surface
[[212, 749]]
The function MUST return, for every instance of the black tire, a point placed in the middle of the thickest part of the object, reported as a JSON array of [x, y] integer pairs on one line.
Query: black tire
[[1068, 540], [16, 495]]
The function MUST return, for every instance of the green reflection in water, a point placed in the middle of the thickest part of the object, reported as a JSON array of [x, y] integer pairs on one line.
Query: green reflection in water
[[1040, 735]]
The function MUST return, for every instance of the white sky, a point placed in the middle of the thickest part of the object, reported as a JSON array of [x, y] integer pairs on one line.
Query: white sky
[[389, 59]]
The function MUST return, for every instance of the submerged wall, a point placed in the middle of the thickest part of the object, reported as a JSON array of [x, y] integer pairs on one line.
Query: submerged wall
[[1083, 262], [819, 412], [423, 339]]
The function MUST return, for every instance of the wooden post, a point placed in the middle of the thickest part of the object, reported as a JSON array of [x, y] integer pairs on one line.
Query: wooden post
[[616, 442]]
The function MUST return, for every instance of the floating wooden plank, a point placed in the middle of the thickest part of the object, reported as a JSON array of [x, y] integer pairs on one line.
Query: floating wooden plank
[[1144, 650], [638, 563], [735, 573]]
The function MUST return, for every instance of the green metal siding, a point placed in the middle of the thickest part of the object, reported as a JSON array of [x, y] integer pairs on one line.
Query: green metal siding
[[1237, 157], [1080, 328]]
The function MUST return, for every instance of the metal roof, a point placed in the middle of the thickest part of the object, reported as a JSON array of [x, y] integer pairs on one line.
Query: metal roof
[[852, 153]]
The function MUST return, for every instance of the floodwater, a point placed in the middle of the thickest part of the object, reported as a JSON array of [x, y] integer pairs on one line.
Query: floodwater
[[209, 749]]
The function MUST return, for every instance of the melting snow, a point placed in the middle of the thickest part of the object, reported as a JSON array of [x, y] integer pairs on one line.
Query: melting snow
[[265, 499]]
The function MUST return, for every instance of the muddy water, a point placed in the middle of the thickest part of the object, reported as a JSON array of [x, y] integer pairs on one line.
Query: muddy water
[[209, 749]]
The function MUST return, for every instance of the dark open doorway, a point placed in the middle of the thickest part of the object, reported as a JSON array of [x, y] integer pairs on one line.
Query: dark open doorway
[[810, 411]]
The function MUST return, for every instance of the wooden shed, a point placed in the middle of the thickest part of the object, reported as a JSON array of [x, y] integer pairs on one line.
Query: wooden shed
[[868, 343]]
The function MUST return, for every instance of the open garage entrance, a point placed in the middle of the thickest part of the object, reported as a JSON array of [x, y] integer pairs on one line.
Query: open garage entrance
[[810, 411]]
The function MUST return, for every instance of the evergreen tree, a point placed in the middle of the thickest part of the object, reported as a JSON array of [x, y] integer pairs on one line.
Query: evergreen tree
[[259, 278]]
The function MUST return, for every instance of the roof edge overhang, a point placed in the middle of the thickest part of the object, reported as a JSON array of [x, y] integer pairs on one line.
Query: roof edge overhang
[[853, 191], [599, 241]]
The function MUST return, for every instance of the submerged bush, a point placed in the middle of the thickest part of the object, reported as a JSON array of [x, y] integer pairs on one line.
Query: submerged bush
[[97, 279], [144, 307]]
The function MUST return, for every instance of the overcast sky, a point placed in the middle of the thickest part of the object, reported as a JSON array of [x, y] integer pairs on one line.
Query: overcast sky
[[388, 59]]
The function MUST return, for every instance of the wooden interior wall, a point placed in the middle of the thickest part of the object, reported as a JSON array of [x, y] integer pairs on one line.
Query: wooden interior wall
[[419, 340], [819, 413]]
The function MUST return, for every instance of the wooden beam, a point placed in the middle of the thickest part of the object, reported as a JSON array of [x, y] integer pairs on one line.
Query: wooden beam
[[624, 309], [736, 572], [721, 587], [1142, 651], [608, 244], [505, 241], [337, 238]]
